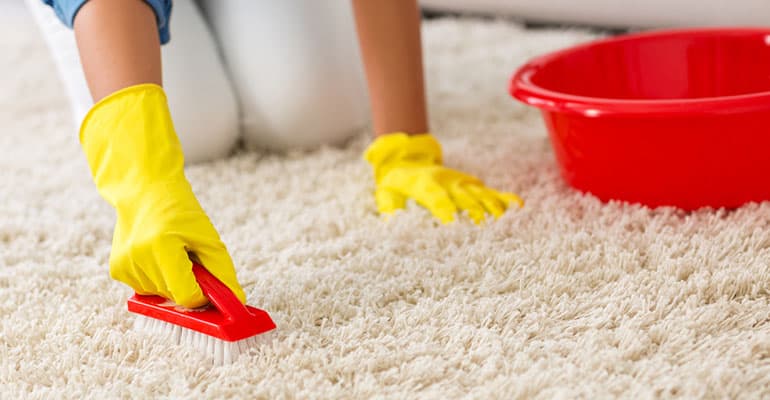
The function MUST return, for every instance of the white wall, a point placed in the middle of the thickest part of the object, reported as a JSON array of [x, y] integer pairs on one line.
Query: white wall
[[621, 13]]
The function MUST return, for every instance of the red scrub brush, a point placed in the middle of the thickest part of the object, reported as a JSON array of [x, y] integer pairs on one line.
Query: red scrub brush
[[223, 329]]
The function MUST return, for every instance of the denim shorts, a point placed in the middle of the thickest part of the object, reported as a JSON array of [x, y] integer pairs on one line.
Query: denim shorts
[[67, 9]]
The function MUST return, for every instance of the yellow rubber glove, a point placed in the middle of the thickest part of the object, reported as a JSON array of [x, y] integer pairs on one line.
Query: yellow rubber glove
[[410, 167], [137, 165]]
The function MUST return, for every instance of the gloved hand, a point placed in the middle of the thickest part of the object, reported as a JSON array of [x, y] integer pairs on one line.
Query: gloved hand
[[137, 165], [410, 166]]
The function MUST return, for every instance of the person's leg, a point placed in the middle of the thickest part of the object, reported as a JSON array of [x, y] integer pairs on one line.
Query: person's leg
[[135, 157], [64, 52], [202, 102], [296, 69], [406, 159]]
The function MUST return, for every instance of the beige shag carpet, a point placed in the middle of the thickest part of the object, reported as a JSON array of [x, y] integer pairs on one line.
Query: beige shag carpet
[[567, 298]]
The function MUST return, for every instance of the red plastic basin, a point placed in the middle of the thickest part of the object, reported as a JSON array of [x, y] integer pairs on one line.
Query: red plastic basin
[[678, 118]]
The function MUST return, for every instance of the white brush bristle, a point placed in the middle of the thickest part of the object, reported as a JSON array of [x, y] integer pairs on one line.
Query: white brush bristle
[[222, 351]]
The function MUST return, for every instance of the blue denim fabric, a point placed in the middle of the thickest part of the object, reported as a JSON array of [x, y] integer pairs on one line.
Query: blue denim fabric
[[67, 9]]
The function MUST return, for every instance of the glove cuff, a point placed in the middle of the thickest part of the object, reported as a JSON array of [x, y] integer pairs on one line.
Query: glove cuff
[[397, 148], [130, 142]]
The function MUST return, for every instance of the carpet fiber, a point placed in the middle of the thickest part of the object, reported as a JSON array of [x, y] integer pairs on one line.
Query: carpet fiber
[[568, 297]]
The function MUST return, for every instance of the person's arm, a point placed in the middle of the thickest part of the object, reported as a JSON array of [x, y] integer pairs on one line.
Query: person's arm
[[118, 44], [136, 159], [406, 159], [389, 37]]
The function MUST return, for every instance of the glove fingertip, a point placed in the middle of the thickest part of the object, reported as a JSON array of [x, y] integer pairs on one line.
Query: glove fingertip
[[445, 216], [193, 299], [511, 199], [477, 218], [496, 212], [388, 202], [179, 280]]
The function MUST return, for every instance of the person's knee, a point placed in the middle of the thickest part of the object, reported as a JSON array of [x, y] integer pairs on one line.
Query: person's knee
[[305, 115], [202, 102], [306, 108], [306, 91], [207, 127], [204, 110]]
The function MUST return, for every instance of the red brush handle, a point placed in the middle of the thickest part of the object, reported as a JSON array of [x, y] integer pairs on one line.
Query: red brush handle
[[219, 294]]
